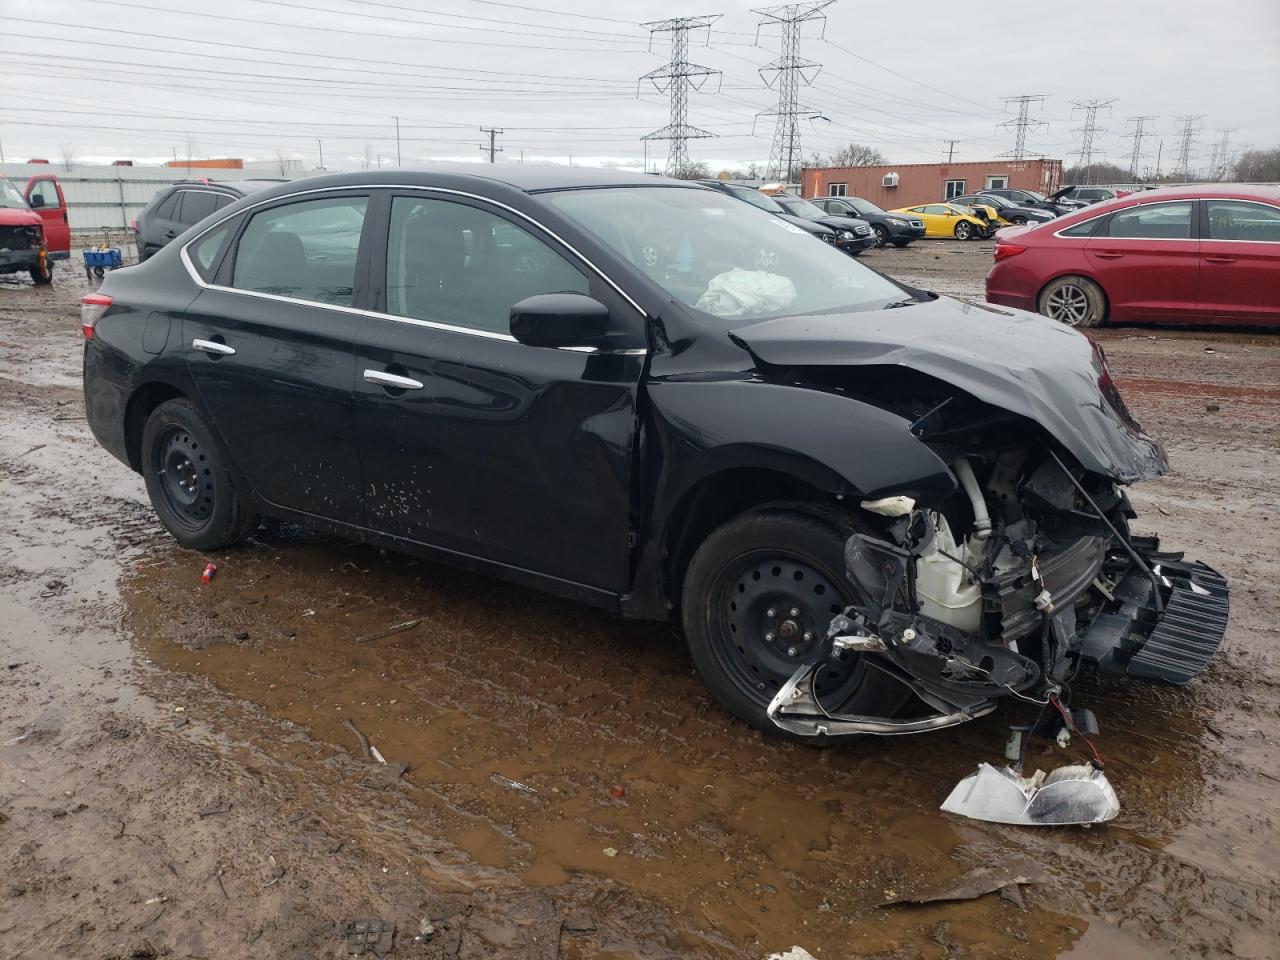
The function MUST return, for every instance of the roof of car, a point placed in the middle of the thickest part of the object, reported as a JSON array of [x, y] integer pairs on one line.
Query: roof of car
[[531, 178], [1255, 191]]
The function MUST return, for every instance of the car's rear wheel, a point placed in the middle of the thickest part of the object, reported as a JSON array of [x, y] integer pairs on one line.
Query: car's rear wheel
[[758, 597], [188, 478], [882, 235], [964, 230], [901, 243], [1018, 221], [1075, 301]]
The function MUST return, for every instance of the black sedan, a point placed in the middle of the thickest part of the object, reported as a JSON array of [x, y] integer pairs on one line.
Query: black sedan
[[765, 202], [890, 228], [1017, 214], [853, 234], [488, 370], [1038, 201]]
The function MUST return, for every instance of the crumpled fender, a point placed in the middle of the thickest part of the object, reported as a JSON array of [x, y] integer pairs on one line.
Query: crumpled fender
[[832, 442]]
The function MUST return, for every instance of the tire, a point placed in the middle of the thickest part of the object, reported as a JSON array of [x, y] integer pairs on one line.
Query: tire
[[882, 235], [1075, 301], [1019, 221], [772, 561], [901, 244], [42, 278], [964, 230], [187, 472]]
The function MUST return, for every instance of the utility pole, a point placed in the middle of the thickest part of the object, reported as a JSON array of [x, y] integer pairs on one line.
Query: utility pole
[[951, 150], [397, 141], [1139, 133], [1089, 132], [1221, 160], [789, 72], [493, 134], [677, 78], [320, 144], [1022, 122], [1186, 139]]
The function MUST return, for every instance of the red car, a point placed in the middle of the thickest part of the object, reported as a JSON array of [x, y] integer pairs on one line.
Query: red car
[[33, 227], [1194, 254]]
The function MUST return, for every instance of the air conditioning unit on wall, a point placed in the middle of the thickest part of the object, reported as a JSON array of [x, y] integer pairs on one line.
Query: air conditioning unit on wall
[[890, 180]]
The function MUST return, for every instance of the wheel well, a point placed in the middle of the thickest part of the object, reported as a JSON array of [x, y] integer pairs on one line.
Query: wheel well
[[716, 500], [144, 400], [1106, 300]]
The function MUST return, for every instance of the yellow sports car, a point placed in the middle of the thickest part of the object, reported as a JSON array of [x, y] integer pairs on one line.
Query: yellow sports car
[[947, 220], [985, 212]]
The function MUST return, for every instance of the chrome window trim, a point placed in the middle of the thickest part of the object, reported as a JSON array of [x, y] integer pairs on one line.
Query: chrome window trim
[[1256, 203], [1154, 203], [374, 314]]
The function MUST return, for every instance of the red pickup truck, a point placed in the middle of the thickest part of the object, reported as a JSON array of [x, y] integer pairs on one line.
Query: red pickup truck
[[33, 227]]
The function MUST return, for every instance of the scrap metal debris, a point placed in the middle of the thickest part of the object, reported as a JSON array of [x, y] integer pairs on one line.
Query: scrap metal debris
[[1071, 795], [511, 784], [1011, 872], [390, 631], [369, 937], [364, 741]]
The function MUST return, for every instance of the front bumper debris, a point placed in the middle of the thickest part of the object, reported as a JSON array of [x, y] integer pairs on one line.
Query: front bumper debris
[[1068, 796]]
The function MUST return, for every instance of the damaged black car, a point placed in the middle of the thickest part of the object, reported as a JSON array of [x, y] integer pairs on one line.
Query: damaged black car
[[875, 510]]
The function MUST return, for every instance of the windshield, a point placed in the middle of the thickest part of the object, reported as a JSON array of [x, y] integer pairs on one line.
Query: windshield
[[1033, 195], [802, 208], [862, 206], [10, 195], [761, 200], [993, 201], [723, 258]]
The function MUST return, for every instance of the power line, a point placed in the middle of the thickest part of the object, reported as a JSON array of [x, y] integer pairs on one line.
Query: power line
[[1089, 132], [1022, 122], [676, 79], [1140, 132], [493, 134], [1186, 139], [790, 71]]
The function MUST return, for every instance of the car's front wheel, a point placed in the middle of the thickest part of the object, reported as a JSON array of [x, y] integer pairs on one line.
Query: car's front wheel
[[188, 478], [1018, 221], [882, 235], [1075, 301], [758, 597], [964, 230], [42, 275]]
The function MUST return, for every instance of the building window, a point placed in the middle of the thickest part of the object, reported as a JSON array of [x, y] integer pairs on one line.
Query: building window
[[997, 183], [954, 188], [837, 189]]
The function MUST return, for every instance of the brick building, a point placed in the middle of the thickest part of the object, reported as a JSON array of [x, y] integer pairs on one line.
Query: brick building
[[908, 184]]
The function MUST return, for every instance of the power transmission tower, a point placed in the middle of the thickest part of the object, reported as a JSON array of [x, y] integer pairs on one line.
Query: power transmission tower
[[789, 71], [1185, 141], [1022, 122], [492, 147], [1221, 161], [1140, 133], [677, 78], [1089, 132]]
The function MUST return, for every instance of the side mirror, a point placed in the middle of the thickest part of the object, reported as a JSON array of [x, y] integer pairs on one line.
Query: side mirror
[[36, 201], [559, 320]]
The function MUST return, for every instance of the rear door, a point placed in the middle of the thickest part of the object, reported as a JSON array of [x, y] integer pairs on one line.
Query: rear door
[[44, 195], [270, 345], [1147, 258], [1240, 262], [480, 445]]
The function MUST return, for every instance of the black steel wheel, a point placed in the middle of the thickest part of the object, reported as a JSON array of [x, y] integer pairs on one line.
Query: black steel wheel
[[759, 596], [188, 479]]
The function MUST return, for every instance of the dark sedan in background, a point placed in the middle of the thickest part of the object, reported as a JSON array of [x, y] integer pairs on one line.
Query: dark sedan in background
[[889, 228], [854, 234], [1015, 213], [766, 203], [1038, 201]]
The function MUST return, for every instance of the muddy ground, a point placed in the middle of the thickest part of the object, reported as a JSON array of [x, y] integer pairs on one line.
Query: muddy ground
[[177, 779]]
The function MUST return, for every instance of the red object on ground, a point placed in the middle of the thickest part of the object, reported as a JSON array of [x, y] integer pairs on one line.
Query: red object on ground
[[617, 792], [209, 571]]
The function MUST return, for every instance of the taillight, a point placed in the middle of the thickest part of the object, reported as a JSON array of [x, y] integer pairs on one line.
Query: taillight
[[1006, 250], [133, 224], [92, 308]]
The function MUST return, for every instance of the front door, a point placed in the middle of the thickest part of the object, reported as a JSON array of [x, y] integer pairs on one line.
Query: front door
[[476, 444], [270, 345], [1240, 262], [44, 195], [1148, 261]]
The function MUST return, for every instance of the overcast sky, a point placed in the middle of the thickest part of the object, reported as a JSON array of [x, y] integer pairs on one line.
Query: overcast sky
[[151, 79]]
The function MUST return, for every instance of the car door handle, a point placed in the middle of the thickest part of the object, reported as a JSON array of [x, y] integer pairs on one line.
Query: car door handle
[[1220, 259], [392, 380], [213, 347], [1108, 255]]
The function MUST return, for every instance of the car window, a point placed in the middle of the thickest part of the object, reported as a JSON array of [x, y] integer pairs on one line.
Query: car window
[[306, 250], [167, 207], [862, 206], [1086, 229], [938, 208], [761, 200], [1153, 221], [1241, 220], [47, 190], [452, 263], [195, 206], [222, 200], [206, 251]]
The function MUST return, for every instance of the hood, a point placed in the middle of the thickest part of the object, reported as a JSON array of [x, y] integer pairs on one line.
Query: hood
[[810, 226], [1017, 361], [843, 223], [19, 217]]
